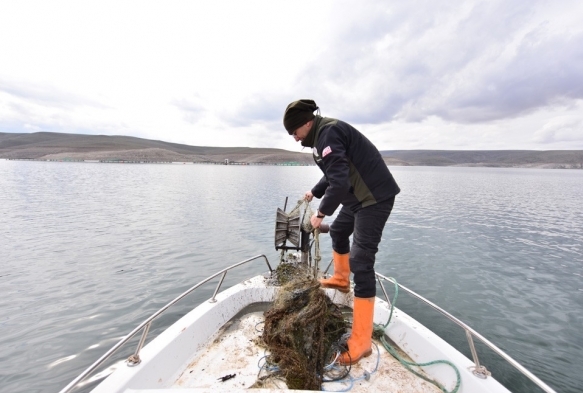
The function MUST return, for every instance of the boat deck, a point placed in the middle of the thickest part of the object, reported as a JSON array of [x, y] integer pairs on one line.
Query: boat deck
[[238, 352], [222, 338]]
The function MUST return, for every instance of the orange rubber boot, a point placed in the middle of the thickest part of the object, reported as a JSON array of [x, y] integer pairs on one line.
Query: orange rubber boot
[[341, 278], [360, 341]]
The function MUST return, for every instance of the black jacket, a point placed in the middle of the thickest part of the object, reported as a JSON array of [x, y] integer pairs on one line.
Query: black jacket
[[355, 174]]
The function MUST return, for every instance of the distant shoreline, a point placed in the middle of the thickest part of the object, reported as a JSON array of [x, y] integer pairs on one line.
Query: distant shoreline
[[160, 162], [59, 147], [485, 165]]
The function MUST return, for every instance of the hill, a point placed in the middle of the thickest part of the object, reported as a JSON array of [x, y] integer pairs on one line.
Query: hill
[[59, 146], [490, 158]]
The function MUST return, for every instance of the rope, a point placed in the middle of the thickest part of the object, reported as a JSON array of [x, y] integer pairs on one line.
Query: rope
[[349, 378], [379, 331], [306, 226]]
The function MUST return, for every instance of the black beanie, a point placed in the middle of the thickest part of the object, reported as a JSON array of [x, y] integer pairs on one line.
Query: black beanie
[[298, 113]]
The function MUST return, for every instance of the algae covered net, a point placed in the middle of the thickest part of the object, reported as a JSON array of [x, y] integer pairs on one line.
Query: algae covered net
[[301, 331]]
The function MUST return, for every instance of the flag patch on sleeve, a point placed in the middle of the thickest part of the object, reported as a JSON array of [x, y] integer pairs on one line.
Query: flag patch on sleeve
[[326, 151]]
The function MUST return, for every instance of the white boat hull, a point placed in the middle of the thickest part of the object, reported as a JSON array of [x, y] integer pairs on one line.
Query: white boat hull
[[176, 358]]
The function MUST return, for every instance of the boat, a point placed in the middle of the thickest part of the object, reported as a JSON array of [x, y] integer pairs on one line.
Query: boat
[[217, 345]]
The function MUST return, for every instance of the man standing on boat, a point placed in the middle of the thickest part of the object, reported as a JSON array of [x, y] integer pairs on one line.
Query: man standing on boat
[[355, 176]]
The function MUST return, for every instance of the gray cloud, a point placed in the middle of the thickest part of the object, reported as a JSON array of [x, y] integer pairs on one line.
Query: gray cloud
[[192, 110], [544, 71], [261, 108], [46, 95], [562, 131], [464, 63]]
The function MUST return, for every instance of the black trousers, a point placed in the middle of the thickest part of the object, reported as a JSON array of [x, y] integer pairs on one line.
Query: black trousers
[[366, 226]]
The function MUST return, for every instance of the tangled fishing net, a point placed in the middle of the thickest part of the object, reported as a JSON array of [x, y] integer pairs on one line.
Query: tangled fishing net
[[301, 330], [303, 326]]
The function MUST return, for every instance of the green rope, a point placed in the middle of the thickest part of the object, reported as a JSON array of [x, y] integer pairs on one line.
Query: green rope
[[379, 332], [395, 296]]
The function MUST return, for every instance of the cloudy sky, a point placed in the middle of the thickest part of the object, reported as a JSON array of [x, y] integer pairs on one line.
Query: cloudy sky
[[409, 74]]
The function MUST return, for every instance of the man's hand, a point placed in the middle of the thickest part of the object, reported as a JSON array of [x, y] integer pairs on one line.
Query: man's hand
[[316, 221], [308, 196]]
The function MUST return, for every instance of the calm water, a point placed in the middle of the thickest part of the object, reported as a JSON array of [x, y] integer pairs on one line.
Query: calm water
[[87, 251]]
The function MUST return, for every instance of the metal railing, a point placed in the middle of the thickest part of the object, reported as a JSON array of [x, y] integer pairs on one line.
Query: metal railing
[[478, 370], [135, 358]]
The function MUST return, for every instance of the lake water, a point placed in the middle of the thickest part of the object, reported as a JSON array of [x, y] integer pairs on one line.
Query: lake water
[[87, 251]]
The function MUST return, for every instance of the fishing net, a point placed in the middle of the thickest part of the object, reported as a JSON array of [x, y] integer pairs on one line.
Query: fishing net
[[303, 326], [301, 330]]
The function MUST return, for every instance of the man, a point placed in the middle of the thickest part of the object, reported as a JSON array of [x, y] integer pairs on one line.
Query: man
[[355, 176]]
